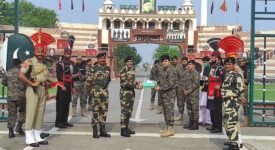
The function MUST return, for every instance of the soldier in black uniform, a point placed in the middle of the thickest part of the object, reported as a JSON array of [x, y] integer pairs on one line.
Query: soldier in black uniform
[[64, 70]]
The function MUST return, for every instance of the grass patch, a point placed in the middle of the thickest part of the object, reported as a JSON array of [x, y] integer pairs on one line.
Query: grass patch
[[269, 94]]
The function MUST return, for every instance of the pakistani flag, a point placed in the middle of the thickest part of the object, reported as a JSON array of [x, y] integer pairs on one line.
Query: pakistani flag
[[16, 46]]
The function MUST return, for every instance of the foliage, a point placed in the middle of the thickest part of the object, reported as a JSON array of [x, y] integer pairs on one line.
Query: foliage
[[166, 50], [123, 51], [30, 15]]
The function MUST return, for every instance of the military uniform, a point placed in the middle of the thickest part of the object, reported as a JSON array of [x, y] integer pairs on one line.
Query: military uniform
[[214, 102], [64, 72], [16, 98], [35, 98], [99, 78], [181, 84], [88, 90], [154, 76], [127, 97], [79, 89], [167, 91], [246, 79], [232, 91], [192, 81], [179, 71]]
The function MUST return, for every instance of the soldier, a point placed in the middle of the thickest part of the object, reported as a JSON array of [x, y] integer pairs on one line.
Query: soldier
[[64, 72], [214, 102], [154, 76], [245, 67], [232, 91], [191, 93], [35, 74], [178, 70], [204, 117], [180, 96], [16, 98], [127, 95], [89, 65], [79, 90], [99, 79], [166, 87]]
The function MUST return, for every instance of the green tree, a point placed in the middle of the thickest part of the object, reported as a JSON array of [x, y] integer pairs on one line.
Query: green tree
[[30, 15], [166, 50], [123, 51]]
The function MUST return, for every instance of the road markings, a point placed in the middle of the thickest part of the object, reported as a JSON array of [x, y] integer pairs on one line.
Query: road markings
[[138, 112]]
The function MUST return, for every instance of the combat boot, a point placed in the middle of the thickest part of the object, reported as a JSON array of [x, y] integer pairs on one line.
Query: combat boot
[[11, 133], [190, 124], [102, 131], [95, 132], [124, 133], [73, 111], [83, 112], [160, 109], [195, 126], [179, 117], [19, 129], [169, 132], [232, 146], [129, 130], [163, 131], [151, 107], [246, 121]]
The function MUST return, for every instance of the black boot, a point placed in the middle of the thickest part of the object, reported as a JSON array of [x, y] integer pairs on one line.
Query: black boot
[[11, 133], [190, 124], [103, 133], [127, 128], [95, 132], [124, 133], [19, 129], [232, 146], [195, 126]]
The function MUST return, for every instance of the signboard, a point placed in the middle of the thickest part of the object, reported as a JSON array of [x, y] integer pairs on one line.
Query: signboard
[[205, 53], [62, 43], [120, 35], [148, 6], [91, 52], [129, 7]]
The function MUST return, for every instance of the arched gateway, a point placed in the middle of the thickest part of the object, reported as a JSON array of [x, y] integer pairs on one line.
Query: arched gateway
[[147, 23]]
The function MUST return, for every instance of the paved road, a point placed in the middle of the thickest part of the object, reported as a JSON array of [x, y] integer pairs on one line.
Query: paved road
[[147, 125]]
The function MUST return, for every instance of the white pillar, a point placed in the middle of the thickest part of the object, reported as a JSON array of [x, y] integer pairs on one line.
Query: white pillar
[[204, 12]]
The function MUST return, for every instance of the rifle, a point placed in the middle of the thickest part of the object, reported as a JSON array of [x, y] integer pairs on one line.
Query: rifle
[[28, 75]]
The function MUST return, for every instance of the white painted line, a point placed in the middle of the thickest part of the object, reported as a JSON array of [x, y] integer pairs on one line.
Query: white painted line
[[179, 135], [138, 112], [53, 130]]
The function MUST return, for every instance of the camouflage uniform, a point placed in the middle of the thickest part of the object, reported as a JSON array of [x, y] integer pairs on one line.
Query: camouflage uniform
[[192, 82], [100, 78], [16, 97], [127, 94], [88, 91], [246, 75], [80, 91], [180, 96], [154, 75], [167, 90], [232, 91]]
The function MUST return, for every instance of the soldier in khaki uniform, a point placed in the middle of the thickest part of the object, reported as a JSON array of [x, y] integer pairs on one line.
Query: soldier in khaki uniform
[[35, 74], [98, 80], [16, 98], [166, 87]]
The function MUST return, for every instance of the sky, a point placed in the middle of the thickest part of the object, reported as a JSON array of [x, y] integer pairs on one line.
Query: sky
[[90, 15]]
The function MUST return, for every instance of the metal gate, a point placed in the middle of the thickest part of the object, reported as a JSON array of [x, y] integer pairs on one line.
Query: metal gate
[[262, 86]]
